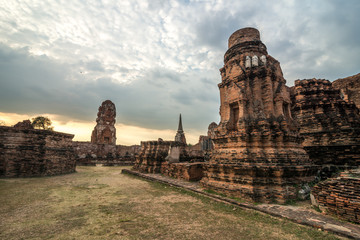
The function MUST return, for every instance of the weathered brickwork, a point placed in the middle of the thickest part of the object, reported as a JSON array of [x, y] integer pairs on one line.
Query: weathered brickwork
[[329, 125], [340, 196], [90, 154], [104, 131], [170, 158], [258, 153], [152, 155], [186, 170], [349, 88], [32, 152], [103, 149]]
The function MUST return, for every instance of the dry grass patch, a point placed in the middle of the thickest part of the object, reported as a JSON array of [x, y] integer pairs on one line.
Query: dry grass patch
[[102, 203]]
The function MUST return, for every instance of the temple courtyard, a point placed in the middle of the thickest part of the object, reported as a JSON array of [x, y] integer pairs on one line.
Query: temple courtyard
[[102, 203]]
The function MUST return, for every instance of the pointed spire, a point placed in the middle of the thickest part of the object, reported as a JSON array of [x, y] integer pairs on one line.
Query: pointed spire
[[180, 128], [180, 136]]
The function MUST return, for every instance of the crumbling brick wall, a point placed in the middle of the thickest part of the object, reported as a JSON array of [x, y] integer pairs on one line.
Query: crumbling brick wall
[[349, 88], [152, 155], [329, 125], [187, 171], [33, 152], [340, 196], [90, 154], [156, 157]]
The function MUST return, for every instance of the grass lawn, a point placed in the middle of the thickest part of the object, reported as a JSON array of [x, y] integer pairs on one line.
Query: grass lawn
[[102, 203]]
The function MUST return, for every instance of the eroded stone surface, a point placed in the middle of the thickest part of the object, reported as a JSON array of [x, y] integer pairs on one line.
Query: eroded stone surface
[[257, 152], [187, 171], [90, 154], [30, 152], [170, 158], [349, 88], [104, 131], [152, 155], [329, 124]]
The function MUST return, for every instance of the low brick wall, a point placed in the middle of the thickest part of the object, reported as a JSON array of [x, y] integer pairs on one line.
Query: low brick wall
[[340, 196], [32, 152], [168, 158], [186, 171], [90, 154], [152, 155]]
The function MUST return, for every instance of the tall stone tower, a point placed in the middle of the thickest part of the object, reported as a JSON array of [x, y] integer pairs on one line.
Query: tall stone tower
[[180, 135], [104, 131], [258, 153]]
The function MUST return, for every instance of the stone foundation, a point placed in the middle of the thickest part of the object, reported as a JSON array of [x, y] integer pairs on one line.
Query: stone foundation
[[340, 196], [258, 178], [31, 152]]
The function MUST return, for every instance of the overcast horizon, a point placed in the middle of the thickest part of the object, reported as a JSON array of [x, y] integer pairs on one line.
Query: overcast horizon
[[156, 59]]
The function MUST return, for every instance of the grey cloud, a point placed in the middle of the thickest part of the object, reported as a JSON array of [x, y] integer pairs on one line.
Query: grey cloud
[[168, 54], [331, 37], [215, 26], [162, 77], [95, 65], [143, 103], [123, 69], [35, 84]]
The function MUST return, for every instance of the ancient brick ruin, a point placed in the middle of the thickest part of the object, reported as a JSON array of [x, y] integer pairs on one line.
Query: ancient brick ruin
[[104, 131], [189, 171], [329, 125], [152, 155], [349, 88], [174, 158], [103, 149], [90, 154], [170, 158], [28, 152], [339, 196], [272, 140], [258, 153]]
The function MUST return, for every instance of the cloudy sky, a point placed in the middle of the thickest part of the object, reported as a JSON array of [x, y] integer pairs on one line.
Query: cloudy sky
[[156, 58]]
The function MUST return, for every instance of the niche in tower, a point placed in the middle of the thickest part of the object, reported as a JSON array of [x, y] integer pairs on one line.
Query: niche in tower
[[234, 116]]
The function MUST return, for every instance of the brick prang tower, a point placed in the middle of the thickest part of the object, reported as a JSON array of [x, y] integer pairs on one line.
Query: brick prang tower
[[258, 153]]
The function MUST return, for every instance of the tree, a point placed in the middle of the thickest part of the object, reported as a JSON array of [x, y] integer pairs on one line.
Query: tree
[[41, 122], [2, 123]]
